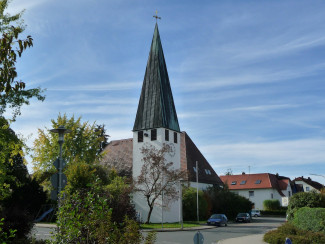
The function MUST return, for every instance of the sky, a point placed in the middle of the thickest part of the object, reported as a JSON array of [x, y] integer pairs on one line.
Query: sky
[[247, 76]]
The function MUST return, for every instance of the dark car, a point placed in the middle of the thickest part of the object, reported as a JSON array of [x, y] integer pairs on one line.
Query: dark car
[[243, 217], [218, 219]]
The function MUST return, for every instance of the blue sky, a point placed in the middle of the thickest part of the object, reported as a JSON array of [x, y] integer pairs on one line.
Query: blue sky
[[247, 76]]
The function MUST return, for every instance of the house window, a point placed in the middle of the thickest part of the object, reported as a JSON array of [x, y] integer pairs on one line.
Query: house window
[[307, 188], [175, 137], [271, 195], [243, 182], [234, 182], [207, 171], [140, 136], [251, 193], [289, 193], [154, 134], [166, 135], [258, 182]]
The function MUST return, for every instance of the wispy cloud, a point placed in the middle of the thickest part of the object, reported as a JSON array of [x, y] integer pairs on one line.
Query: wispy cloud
[[294, 152]]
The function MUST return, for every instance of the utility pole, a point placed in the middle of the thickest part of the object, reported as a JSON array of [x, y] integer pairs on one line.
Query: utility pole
[[197, 192]]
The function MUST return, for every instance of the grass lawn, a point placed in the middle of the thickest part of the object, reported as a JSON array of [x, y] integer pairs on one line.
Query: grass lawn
[[186, 224]]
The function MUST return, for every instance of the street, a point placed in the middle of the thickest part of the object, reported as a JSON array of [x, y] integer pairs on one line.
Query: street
[[258, 226]]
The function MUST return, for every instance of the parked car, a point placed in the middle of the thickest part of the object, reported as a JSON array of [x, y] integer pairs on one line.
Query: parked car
[[256, 213], [218, 220], [243, 217]]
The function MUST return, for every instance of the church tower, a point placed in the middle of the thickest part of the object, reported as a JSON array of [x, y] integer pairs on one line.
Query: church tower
[[156, 124]]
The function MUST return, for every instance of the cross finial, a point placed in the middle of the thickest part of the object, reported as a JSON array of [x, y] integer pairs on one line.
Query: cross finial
[[156, 16]]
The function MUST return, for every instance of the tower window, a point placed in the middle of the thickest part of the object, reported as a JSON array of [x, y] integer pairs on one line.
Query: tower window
[[154, 134], [140, 136], [166, 135], [175, 137]]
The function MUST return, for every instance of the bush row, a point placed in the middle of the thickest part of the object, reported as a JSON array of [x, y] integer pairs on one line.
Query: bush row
[[213, 200], [295, 234], [273, 212]]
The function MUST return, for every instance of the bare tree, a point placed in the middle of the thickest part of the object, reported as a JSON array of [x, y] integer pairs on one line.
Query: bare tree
[[158, 176]]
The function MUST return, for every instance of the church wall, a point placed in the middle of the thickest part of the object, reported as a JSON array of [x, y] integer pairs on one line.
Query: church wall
[[172, 214]]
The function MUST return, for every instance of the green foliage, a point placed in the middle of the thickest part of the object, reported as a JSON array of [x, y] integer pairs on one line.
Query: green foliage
[[296, 235], [312, 219], [4, 236], [274, 212], [228, 203], [85, 216], [12, 92], [305, 199], [20, 196], [190, 204], [271, 204], [83, 144]]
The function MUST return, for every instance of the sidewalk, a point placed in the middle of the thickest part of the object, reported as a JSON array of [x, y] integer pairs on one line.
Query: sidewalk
[[251, 239]]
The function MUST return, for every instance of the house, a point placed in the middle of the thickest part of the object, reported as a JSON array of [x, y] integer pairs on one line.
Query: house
[[307, 184], [260, 187], [156, 124]]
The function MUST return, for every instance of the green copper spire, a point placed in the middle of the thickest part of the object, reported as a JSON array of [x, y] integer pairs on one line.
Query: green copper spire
[[156, 107]]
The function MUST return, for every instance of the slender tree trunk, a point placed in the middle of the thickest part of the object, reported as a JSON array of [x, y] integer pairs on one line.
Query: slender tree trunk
[[149, 214]]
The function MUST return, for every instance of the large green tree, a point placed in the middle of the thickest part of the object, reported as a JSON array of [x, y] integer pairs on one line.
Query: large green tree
[[83, 144], [20, 196], [13, 92]]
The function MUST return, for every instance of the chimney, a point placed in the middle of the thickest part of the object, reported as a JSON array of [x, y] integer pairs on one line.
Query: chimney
[[243, 173]]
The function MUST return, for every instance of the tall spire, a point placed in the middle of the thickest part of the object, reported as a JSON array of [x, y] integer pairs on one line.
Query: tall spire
[[156, 107]]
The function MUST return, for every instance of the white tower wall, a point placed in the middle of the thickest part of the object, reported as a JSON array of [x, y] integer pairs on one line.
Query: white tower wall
[[172, 212]]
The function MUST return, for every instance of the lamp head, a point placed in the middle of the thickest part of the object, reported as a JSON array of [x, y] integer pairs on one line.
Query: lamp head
[[61, 131]]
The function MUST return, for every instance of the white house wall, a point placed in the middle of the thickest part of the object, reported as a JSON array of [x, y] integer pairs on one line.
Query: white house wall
[[259, 196], [305, 185]]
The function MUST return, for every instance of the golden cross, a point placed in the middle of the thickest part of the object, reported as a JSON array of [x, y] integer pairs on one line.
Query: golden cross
[[156, 16]]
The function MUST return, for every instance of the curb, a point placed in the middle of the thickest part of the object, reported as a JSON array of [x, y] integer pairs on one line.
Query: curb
[[179, 229], [145, 230], [45, 225]]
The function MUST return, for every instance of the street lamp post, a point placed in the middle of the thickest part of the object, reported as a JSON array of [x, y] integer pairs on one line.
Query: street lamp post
[[61, 131]]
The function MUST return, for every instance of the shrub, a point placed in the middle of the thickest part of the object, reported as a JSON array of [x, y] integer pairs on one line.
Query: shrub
[[296, 235], [226, 202], [273, 212], [312, 219], [86, 217], [271, 204], [304, 199], [189, 205]]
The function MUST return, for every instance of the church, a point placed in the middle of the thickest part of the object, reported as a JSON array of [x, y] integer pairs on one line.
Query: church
[[156, 124]]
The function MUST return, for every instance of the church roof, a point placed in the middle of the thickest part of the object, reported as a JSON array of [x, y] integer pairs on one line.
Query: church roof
[[119, 155], [156, 107], [189, 155]]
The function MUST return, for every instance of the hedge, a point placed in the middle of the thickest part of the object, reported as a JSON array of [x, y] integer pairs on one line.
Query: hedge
[[305, 199], [312, 219], [273, 212], [271, 204], [296, 235]]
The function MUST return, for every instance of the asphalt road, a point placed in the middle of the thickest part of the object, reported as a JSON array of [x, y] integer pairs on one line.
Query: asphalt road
[[211, 236]]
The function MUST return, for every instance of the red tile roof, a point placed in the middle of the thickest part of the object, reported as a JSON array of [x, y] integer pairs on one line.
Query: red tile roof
[[266, 180]]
